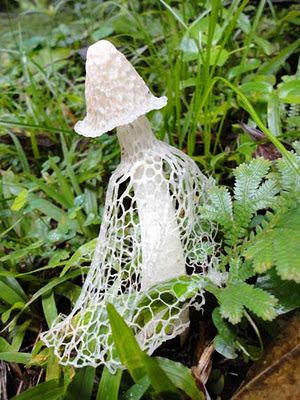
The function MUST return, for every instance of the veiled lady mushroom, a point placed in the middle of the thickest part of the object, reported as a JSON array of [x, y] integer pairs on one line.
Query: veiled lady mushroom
[[150, 231]]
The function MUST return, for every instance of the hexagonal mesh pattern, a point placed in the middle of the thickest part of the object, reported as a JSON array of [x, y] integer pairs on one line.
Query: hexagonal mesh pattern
[[151, 232], [115, 93]]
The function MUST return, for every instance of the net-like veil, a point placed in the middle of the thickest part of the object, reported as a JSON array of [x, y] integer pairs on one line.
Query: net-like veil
[[151, 232]]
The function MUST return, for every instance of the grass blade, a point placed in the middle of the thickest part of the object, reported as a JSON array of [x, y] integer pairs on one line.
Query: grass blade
[[20, 152], [250, 109], [16, 357], [82, 385], [137, 362], [128, 349], [64, 186], [49, 307], [8, 295], [35, 126], [272, 66], [51, 390], [53, 194], [137, 390], [109, 385]]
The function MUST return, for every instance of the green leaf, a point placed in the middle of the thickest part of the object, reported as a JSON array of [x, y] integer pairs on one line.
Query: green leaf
[[274, 123], [53, 368], [17, 255], [12, 283], [105, 30], [287, 292], [289, 92], [18, 335], [248, 177], [242, 68], [290, 179], [20, 152], [69, 290], [258, 91], [47, 208], [13, 356], [63, 183], [9, 295], [264, 44], [224, 348], [48, 57], [157, 298], [82, 385], [273, 66], [181, 377], [137, 390], [49, 307], [231, 306], [48, 287], [239, 270], [218, 56], [278, 245], [20, 200], [127, 347], [136, 361], [4, 346], [236, 296], [251, 191], [83, 253], [219, 207], [109, 385], [51, 390], [50, 191], [160, 381], [225, 332]]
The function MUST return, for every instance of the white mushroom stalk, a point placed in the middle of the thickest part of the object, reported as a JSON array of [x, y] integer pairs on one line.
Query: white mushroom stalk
[[162, 250], [151, 230]]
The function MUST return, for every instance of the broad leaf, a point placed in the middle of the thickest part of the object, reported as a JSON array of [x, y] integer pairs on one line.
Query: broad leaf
[[181, 377]]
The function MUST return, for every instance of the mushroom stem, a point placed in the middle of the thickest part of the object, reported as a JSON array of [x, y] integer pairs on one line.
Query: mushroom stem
[[162, 251]]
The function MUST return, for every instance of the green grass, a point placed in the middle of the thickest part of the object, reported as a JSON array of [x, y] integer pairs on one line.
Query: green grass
[[217, 64]]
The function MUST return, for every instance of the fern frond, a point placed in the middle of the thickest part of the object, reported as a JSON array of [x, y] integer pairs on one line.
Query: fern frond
[[296, 147], [248, 178], [265, 195], [219, 208], [290, 179], [278, 244], [240, 270], [252, 192]]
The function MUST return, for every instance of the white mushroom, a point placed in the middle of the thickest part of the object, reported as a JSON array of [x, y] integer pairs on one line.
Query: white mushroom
[[115, 94], [150, 230]]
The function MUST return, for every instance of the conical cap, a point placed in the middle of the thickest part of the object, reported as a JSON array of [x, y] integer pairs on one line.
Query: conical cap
[[115, 93]]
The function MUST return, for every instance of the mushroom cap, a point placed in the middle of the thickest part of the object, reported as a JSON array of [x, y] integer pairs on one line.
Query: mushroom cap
[[115, 93]]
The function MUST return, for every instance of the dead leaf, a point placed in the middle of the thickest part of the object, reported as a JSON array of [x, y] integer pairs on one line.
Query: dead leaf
[[254, 133], [268, 151], [202, 370], [276, 375]]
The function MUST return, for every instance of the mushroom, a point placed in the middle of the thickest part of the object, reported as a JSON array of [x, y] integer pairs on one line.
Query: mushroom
[[151, 229]]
